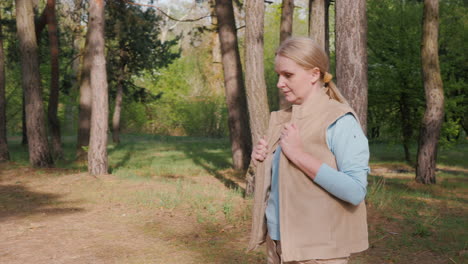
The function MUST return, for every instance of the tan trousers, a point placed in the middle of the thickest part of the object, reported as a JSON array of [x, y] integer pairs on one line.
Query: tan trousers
[[274, 256]]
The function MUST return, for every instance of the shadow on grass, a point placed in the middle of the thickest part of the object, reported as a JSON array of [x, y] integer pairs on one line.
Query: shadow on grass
[[125, 158], [205, 156], [18, 200], [440, 191]]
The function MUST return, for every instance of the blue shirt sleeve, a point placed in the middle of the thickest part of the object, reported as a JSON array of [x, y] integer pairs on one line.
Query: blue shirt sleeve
[[348, 143]]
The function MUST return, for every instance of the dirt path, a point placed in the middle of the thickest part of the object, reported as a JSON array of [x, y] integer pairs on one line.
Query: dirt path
[[78, 219]]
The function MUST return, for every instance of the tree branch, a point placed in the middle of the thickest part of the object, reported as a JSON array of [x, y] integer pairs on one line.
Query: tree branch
[[167, 15]]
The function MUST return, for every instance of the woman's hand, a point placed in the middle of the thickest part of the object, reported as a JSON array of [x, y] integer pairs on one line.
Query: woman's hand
[[290, 142], [291, 145], [259, 153]]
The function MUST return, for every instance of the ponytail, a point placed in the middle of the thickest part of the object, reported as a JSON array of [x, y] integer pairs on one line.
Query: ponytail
[[334, 93]]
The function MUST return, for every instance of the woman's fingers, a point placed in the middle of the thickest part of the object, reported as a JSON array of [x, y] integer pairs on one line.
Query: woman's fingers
[[289, 127], [287, 130], [259, 152], [258, 156]]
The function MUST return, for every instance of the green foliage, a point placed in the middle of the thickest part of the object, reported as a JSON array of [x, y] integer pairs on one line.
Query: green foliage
[[396, 93], [191, 97], [13, 87], [133, 46], [454, 67], [271, 42], [204, 116], [14, 93], [396, 96], [134, 116]]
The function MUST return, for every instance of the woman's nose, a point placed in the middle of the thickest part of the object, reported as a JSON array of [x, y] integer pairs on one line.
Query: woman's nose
[[280, 83]]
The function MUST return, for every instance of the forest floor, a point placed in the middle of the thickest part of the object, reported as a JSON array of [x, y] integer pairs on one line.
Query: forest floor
[[176, 201]]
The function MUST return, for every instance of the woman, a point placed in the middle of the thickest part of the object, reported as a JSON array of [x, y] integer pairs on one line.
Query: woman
[[311, 167]]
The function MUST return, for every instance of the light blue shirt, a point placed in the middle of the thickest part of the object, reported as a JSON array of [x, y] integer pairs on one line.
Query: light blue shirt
[[347, 142]]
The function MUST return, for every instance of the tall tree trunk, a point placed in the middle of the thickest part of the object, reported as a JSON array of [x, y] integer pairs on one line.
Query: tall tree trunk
[[406, 125], [4, 154], [318, 23], [433, 116], [123, 60], [39, 154], [116, 115], [234, 85], [97, 155], [77, 40], [40, 23], [286, 27], [118, 106], [256, 89], [24, 128], [122, 65], [216, 67], [84, 117], [351, 54], [287, 16], [215, 44], [54, 123]]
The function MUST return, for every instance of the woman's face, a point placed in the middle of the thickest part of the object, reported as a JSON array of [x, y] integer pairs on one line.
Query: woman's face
[[296, 83]]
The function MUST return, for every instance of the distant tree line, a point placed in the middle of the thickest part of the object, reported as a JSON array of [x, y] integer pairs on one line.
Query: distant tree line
[[128, 55]]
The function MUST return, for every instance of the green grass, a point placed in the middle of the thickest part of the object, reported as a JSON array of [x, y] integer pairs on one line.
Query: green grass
[[408, 222], [423, 218]]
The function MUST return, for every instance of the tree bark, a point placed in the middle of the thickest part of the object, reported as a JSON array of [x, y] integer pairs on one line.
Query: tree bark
[[24, 129], [118, 104], [123, 60], [39, 154], [77, 40], [256, 89], [216, 68], [434, 93], [41, 23], [287, 16], [97, 155], [116, 115], [233, 82], [406, 124], [318, 23], [84, 116], [351, 55], [4, 154], [54, 123], [286, 27], [215, 44]]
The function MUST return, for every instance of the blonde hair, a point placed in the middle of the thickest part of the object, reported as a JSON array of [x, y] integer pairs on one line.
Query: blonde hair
[[308, 54]]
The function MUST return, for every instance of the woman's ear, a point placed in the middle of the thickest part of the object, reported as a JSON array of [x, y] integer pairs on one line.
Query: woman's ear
[[314, 75]]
